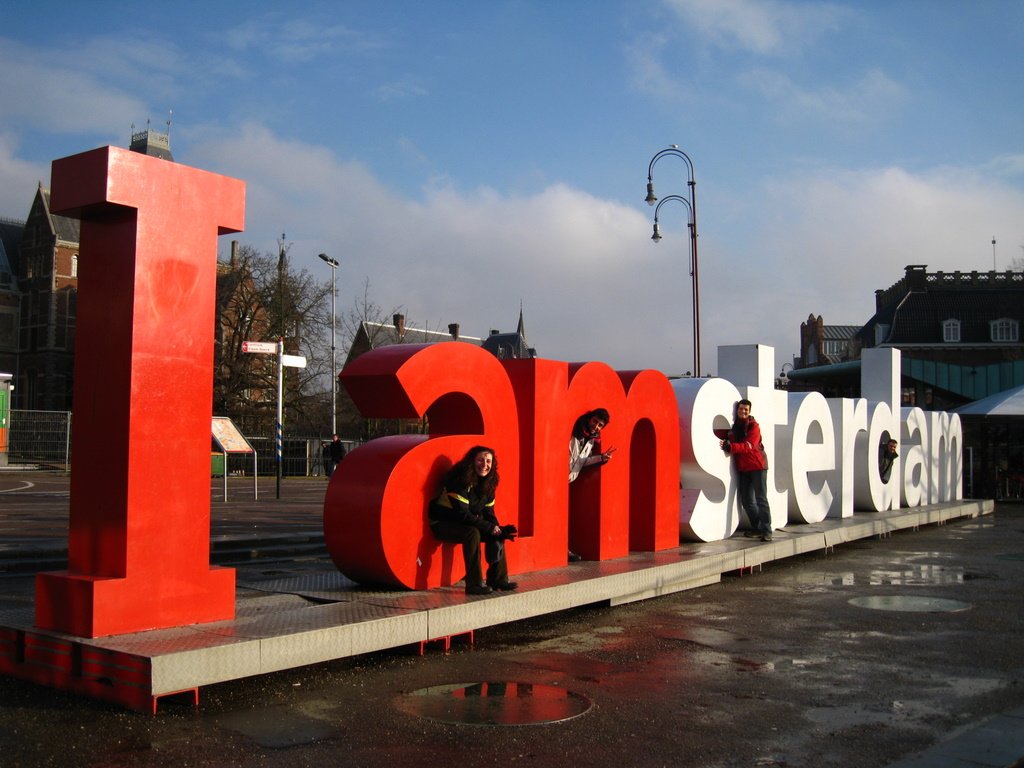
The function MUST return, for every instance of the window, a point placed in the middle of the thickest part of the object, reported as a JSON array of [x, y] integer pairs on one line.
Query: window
[[835, 347], [74, 265], [951, 331], [1004, 329]]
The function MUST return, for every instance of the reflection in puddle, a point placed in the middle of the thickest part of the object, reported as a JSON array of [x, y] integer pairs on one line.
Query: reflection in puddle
[[910, 574], [494, 703], [918, 574]]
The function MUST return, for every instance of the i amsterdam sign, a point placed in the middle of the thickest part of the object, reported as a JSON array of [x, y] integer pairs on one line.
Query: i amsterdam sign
[[138, 555]]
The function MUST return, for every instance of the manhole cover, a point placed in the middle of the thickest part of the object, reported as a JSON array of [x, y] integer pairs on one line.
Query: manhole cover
[[494, 703], [909, 604]]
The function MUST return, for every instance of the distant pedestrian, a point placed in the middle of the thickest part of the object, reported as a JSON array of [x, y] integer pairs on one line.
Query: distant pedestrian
[[744, 444], [335, 452]]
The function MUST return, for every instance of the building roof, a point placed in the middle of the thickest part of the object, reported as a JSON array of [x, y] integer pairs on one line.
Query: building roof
[[510, 346], [912, 310], [386, 334], [66, 229], [373, 335], [839, 332], [152, 143], [1009, 402]]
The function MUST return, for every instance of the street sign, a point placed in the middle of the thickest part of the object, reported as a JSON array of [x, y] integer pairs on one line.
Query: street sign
[[293, 361], [260, 347]]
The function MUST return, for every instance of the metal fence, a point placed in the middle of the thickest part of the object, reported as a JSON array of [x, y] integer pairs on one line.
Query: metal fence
[[44, 438], [40, 437]]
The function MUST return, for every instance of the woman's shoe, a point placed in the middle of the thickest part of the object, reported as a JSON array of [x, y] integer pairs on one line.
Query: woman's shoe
[[482, 589], [506, 586]]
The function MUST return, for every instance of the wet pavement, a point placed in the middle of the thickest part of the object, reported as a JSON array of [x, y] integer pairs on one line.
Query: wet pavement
[[903, 651]]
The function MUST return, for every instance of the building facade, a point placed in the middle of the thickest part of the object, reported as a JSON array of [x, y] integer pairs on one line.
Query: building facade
[[47, 275], [958, 334]]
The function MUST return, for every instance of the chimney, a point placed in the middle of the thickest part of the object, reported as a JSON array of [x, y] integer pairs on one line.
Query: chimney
[[234, 255], [453, 329], [399, 321]]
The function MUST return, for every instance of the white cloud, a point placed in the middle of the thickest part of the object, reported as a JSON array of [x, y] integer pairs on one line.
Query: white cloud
[[765, 27], [648, 70], [592, 284], [835, 236], [18, 180], [297, 39], [405, 88], [41, 93], [860, 103]]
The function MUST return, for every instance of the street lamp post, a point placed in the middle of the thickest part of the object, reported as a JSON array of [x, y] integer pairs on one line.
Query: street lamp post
[[333, 264], [282, 267], [691, 203]]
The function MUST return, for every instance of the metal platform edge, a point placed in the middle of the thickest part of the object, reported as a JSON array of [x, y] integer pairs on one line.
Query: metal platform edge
[[137, 670]]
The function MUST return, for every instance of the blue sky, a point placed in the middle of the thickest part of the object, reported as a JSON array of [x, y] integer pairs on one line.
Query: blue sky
[[466, 157]]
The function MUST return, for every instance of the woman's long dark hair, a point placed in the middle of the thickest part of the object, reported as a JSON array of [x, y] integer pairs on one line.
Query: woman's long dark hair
[[463, 474]]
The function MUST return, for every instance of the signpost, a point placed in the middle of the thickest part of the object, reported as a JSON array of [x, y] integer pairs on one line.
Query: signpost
[[283, 361], [260, 347]]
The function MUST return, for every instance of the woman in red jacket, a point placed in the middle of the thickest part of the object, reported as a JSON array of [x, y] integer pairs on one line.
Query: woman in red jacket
[[744, 444]]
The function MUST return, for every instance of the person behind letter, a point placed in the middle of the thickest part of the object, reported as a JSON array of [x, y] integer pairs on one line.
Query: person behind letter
[[744, 444], [464, 514], [586, 434], [886, 457]]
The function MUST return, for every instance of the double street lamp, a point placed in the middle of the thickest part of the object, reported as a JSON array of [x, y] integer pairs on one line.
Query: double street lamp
[[690, 201], [333, 264]]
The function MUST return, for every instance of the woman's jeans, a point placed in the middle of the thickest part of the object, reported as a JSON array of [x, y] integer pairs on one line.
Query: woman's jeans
[[753, 492]]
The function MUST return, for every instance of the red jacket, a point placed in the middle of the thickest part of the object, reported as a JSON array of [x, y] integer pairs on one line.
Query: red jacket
[[748, 451]]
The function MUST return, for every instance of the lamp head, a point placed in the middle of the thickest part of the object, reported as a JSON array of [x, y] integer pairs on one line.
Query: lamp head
[[651, 198], [329, 260], [656, 237]]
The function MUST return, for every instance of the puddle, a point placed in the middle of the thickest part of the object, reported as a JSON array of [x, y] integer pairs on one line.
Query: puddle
[[494, 703], [909, 604]]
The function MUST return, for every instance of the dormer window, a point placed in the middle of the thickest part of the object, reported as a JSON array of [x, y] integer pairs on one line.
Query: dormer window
[[1004, 330], [951, 331]]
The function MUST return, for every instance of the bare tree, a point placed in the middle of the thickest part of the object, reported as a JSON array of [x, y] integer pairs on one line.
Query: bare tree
[[262, 298], [1017, 264]]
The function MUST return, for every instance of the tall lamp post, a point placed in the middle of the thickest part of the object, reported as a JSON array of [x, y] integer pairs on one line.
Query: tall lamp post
[[691, 203], [333, 264], [282, 267]]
